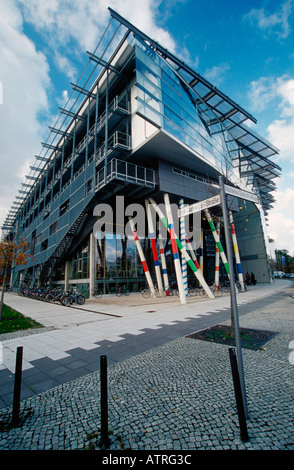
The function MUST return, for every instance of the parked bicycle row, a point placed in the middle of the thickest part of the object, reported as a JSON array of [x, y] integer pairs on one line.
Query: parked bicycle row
[[66, 298], [217, 289]]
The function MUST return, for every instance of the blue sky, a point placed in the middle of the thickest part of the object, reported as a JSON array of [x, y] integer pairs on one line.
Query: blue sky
[[245, 48]]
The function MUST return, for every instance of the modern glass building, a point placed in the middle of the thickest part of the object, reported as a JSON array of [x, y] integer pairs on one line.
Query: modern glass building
[[140, 123]]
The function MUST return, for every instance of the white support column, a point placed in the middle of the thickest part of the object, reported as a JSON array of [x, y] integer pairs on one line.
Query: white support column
[[154, 249], [183, 241], [175, 252]]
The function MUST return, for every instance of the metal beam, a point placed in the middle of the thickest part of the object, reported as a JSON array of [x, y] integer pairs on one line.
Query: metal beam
[[60, 132], [43, 159], [177, 62], [103, 62], [71, 114], [83, 90]]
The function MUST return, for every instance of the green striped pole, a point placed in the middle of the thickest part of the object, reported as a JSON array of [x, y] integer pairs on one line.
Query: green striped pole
[[196, 271], [217, 241]]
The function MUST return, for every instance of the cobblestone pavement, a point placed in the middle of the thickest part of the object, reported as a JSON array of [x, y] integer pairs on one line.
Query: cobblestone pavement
[[178, 396]]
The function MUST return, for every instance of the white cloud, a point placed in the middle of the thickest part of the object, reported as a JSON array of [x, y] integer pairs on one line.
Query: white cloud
[[69, 28], [277, 92], [280, 220], [276, 23], [25, 81], [217, 73]]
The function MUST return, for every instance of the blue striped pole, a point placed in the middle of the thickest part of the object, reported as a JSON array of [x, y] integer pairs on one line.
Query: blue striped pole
[[154, 249], [183, 241], [175, 252], [163, 262], [192, 265]]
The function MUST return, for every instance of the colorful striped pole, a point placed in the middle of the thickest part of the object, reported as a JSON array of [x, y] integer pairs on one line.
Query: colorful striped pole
[[163, 262], [236, 250], [217, 241], [190, 248], [183, 241], [154, 249], [142, 258], [216, 271], [191, 264], [201, 251], [175, 250]]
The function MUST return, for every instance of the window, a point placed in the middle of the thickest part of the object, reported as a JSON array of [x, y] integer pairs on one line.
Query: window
[[64, 207], [44, 245], [53, 228], [89, 186]]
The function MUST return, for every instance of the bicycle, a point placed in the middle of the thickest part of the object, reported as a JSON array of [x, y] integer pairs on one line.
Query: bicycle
[[97, 293], [240, 288], [146, 292], [71, 297], [122, 290]]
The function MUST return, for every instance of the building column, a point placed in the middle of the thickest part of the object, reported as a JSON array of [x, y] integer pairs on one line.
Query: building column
[[92, 265], [66, 275]]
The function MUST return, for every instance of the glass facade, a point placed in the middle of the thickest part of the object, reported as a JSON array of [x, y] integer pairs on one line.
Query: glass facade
[[164, 99]]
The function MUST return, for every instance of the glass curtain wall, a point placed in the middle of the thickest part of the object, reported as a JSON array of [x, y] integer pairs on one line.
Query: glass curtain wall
[[163, 99]]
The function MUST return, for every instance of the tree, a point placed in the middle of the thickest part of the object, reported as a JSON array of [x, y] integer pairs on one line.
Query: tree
[[11, 253], [284, 261]]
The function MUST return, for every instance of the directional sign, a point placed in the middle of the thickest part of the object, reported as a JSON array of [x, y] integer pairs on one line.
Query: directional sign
[[240, 193], [198, 206]]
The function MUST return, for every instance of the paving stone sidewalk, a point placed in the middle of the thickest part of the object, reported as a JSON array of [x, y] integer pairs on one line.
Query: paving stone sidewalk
[[178, 396]]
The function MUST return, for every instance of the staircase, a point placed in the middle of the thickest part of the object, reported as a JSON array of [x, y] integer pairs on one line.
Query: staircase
[[47, 268]]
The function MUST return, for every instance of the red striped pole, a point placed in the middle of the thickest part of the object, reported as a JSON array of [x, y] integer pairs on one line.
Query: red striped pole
[[154, 249], [142, 258], [163, 262]]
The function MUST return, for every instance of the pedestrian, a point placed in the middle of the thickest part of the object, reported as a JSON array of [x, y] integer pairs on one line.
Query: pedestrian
[[247, 278], [252, 279]]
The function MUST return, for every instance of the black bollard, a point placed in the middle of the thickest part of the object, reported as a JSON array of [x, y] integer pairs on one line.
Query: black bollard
[[238, 395], [104, 402], [17, 386]]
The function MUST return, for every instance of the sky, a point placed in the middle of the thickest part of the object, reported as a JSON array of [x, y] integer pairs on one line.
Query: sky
[[244, 48]]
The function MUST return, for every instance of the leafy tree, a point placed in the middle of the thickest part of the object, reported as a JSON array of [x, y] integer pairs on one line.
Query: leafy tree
[[11, 253]]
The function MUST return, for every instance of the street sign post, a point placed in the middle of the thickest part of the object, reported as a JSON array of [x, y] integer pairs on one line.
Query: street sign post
[[199, 206], [233, 292]]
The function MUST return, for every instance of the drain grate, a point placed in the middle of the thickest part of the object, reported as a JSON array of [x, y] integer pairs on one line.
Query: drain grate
[[250, 338]]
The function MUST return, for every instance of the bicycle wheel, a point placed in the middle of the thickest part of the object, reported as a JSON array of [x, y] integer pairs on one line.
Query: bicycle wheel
[[98, 294], [127, 291], [119, 293], [192, 291], [158, 293], [202, 293], [146, 293], [217, 292], [64, 301], [80, 299]]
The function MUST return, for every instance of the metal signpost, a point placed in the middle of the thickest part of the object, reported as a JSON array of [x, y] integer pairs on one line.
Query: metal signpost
[[205, 204], [233, 292]]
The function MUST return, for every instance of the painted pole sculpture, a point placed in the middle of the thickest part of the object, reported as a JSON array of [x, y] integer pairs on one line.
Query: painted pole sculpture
[[154, 249], [201, 251], [191, 264], [217, 241], [216, 271], [175, 251], [142, 258], [236, 250], [183, 241], [163, 262]]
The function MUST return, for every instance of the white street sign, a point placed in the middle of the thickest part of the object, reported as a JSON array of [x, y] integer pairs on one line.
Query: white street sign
[[240, 193], [198, 206]]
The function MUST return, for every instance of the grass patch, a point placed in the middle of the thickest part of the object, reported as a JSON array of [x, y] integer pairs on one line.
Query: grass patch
[[15, 321], [250, 339]]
